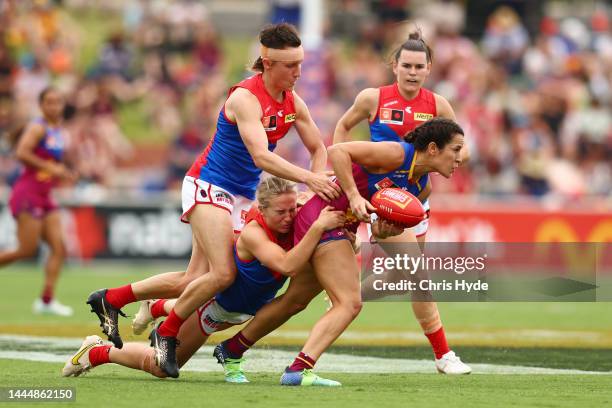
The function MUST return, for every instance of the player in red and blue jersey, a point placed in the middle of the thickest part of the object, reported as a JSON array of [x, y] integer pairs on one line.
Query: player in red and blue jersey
[[219, 187], [392, 111], [41, 150], [265, 256]]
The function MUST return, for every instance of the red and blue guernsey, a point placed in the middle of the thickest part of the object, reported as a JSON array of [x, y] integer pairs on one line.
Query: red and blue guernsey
[[50, 147], [255, 284], [397, 116], [226, 162], [367, 184]]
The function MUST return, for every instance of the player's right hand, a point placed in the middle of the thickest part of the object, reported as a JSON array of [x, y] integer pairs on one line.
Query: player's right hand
[[382, 229], [320, 184], [330, 219], [361, 208]]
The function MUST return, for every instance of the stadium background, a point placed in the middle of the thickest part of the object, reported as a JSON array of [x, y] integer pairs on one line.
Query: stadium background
[[530, 81]]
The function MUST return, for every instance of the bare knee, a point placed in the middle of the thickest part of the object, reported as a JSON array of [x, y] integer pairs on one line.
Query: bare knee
[[351, 307], [25, 252], [296, 304], [58, 251], [223, 279]]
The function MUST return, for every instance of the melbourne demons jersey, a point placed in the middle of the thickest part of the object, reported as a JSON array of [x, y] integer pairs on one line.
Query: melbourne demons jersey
[[255, 284], [50, 147], [396, 116], [226, 162]]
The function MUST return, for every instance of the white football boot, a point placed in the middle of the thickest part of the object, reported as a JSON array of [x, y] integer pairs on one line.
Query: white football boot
[[79, 363], [143, 317], [452, 364], [54, 307]]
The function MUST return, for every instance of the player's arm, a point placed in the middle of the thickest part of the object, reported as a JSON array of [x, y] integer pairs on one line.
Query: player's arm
[[310, 135], [365, 102], [374, 156], [244, 108], [25, 152], [256, 242], [445, 110]]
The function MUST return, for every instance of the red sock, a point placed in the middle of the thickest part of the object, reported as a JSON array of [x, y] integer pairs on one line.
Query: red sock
[[237, 345], [119, 297], [47, 295], [157, 308], [301, 362], [170, 326], [438, 342], [99, 355]]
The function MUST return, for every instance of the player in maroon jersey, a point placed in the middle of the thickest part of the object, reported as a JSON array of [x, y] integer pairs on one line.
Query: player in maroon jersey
[[392, 111], [41, 149]]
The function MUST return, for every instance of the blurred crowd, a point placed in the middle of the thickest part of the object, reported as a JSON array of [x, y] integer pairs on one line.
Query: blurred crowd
[[535, 108]]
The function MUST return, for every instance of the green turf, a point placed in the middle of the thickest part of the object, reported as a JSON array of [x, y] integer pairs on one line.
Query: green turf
[[113, 386], [19, 285]]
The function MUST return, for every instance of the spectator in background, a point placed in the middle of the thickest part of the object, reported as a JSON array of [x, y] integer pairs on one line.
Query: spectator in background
[[505, 39]]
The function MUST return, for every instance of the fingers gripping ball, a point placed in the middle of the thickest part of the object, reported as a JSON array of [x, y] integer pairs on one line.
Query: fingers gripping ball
[[397, 205]]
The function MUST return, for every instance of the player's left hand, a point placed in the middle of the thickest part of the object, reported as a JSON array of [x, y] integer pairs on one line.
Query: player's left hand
[[321, 185]]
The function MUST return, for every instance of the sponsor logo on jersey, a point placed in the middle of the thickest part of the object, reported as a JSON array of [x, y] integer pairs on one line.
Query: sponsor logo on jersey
[[280, 113], [203, 194], [390, 103], [290, 118], [391, 116], [422, 116], [408, 109], [350, 218], [269, 123], [385, 183]]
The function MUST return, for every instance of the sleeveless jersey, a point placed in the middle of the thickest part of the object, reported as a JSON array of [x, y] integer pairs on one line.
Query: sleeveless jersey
[[50, 147], [395, 116], [255, 284], [226, 162]]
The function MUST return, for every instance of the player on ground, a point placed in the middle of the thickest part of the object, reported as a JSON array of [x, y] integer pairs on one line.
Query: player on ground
[[359, 166], [220, 187], [40, 149], [392, 111], [265, 257]]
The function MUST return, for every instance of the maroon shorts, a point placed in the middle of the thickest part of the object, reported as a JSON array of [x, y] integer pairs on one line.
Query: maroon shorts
[[30, 198], [309, 213]]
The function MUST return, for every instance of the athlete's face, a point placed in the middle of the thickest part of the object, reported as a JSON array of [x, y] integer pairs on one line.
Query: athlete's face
[[279, 214], [446, 160], [52, 106], [285, 73], [411, 70]]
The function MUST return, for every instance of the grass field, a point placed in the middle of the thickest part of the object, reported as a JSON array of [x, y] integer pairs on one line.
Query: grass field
[[384, 341]]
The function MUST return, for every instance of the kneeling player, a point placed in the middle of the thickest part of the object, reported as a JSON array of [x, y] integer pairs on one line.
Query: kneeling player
[[264, 256]]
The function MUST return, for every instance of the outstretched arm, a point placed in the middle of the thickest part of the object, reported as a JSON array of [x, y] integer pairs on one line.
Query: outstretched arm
[[244, 107]]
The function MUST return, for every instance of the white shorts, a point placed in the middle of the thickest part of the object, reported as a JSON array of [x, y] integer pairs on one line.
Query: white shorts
[[196, 191], [211, 316], [419, 230]]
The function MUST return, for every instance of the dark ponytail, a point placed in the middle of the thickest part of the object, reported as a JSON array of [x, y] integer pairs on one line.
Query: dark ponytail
[[437, 130]]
